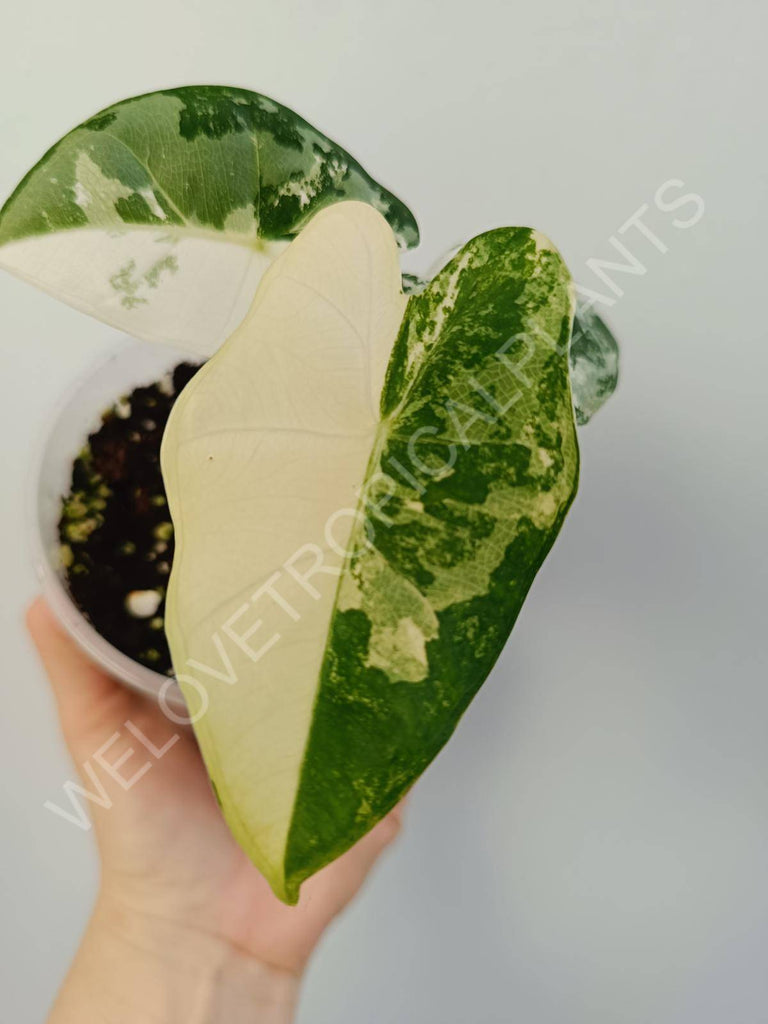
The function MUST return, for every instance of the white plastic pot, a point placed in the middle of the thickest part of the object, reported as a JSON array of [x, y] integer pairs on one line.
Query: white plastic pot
[[129, 365]]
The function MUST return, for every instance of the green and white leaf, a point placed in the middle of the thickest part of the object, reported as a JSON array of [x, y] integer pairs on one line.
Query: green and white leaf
[[160, 214], [413, 284], [363, 488], [594, 359]]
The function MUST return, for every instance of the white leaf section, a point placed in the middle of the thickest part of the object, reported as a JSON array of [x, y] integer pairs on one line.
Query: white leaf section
[[183, 288], [265, 449]]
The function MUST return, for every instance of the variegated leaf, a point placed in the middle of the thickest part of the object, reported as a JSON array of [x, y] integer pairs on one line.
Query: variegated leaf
[[363, 491], [594, 363], [160, 214]]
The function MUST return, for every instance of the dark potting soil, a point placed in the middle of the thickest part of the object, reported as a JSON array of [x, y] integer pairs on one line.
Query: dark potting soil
[[115, 530]]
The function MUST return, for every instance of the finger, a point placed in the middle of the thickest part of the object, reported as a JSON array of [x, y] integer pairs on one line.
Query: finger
[[86, 696]]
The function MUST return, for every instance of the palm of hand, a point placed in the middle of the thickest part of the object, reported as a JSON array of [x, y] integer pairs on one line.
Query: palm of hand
[[166, 850]]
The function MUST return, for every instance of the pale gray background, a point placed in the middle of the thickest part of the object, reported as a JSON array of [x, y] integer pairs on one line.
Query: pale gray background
[[592, 847]]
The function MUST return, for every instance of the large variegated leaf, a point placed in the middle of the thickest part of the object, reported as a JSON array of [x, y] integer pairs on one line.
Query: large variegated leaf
[[160, 214], [363, 492]]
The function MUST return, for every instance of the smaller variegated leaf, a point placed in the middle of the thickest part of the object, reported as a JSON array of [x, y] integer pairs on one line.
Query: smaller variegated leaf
[[160, 214], [594, 362]]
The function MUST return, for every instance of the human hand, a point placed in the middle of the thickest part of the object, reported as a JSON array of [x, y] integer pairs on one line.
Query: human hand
[[182, 915]]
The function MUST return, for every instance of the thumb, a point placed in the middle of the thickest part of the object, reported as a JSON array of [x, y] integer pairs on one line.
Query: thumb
[[89, 701]]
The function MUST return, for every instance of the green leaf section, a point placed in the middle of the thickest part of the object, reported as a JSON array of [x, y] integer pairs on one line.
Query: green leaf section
[[211, 156], [474, 469]]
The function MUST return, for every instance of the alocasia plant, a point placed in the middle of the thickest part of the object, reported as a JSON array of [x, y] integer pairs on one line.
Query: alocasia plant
[[160, 214], [363, 488], [363, 483]]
